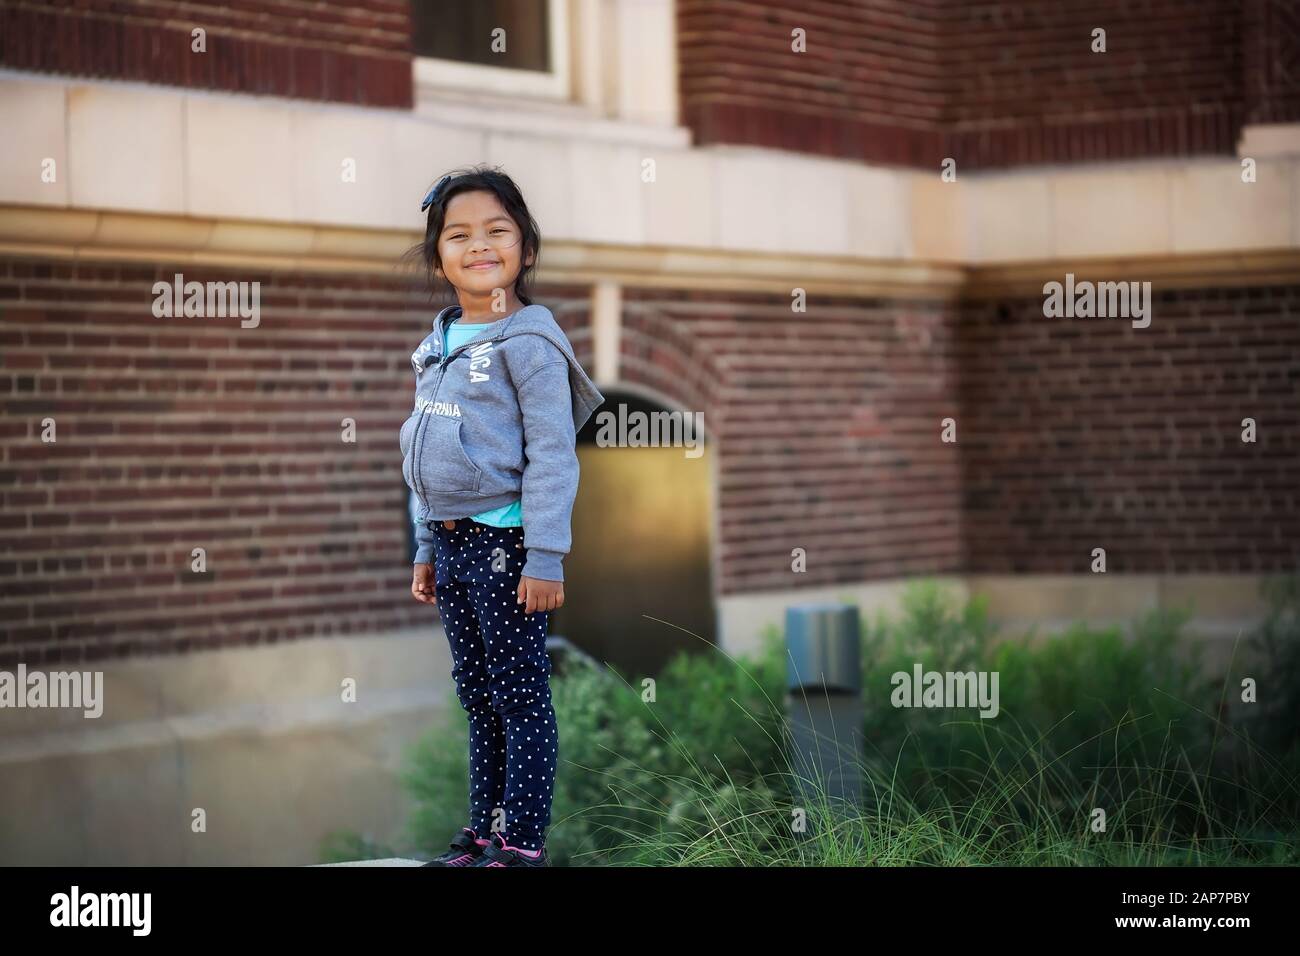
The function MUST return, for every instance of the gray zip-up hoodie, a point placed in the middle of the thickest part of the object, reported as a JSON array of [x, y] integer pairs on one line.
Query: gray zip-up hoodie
[[496, 421]]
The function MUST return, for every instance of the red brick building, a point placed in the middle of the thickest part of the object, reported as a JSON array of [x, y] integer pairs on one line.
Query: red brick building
[[918, 170]]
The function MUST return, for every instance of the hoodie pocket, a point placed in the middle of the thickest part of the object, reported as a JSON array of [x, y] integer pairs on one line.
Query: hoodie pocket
[[443, 465]]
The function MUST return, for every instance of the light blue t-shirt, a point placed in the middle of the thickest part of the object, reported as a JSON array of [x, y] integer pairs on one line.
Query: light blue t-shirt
[[507, 516]]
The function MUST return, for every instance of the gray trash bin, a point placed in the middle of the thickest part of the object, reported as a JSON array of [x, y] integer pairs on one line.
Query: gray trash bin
[[824, 700]]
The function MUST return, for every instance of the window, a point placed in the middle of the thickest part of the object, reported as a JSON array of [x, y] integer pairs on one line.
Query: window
[[493, 46], [464, 30]]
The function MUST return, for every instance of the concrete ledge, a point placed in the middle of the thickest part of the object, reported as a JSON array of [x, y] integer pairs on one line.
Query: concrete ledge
[[112, 235], [258, 739], [148, 149], [390, 861], [1223, 606]]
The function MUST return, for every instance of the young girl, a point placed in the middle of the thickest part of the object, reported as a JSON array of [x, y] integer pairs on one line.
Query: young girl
[[489, 453]]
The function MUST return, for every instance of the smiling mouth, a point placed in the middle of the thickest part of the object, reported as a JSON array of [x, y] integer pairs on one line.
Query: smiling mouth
[[483, 265]]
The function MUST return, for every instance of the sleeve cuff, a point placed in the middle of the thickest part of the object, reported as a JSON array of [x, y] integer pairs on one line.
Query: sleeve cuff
[[423, 544], [544, 565]]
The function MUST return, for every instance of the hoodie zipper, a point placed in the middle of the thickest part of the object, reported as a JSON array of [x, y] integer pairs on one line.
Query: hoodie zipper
[[419, 432]]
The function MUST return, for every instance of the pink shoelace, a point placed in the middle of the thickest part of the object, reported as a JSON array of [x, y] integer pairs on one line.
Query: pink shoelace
[[531, 854]]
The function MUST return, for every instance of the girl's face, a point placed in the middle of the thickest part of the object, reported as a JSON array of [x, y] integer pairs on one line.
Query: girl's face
[[480, 246]]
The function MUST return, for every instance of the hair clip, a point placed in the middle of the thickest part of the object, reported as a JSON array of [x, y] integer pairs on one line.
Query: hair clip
[[433, 193]]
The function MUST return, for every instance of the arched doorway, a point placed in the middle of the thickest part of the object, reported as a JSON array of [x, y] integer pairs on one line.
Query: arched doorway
[[642, 533]]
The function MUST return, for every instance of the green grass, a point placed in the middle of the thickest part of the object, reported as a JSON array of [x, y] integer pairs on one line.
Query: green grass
[[693, 769]]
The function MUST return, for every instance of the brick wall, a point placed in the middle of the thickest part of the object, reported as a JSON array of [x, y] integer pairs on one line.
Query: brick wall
[[357, 52], [1271, 56], [871, 84], [1025, 85], [183, 433], [1084, 433], [987, 82]]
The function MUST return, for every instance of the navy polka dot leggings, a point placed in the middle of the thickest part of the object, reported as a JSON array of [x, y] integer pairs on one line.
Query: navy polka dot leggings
[[502, 675]]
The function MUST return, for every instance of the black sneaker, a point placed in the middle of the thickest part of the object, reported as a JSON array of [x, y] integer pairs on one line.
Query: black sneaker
[[498, 853], [465, 850]]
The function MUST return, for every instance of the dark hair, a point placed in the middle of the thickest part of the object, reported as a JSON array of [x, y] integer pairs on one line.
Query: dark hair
[[496, 182]]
